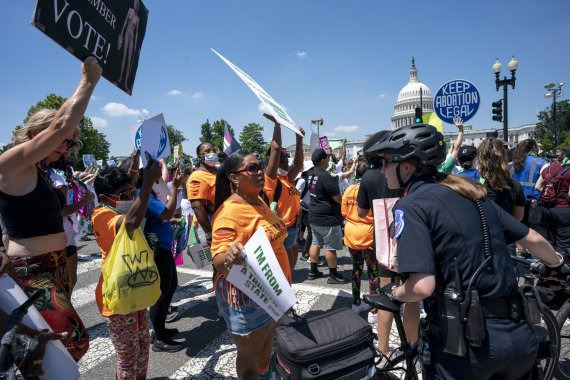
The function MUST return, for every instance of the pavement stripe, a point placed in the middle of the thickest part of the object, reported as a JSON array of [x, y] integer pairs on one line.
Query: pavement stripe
[[100, 346], [87, 266], [82, 296], [219, 357]]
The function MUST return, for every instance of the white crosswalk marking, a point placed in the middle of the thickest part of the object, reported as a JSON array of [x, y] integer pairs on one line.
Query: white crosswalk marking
[[86, 266], [82, 296]]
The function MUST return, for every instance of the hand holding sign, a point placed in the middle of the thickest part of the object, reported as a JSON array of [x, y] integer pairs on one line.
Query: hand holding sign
[[91, 71], [234, 255]]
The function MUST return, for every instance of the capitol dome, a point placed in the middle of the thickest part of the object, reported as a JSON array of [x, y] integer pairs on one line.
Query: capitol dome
[[412, 95]]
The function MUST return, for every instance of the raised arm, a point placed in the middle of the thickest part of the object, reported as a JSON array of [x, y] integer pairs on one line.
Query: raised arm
[[459, 124], [63, 126], [275, 151], [298, 160]]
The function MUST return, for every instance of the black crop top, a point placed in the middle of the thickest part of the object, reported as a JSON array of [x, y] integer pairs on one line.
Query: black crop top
[[37, 213]]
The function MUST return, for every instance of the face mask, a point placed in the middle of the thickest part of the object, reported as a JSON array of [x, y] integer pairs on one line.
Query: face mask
[[211, 158], [123, 206], [282, 172]]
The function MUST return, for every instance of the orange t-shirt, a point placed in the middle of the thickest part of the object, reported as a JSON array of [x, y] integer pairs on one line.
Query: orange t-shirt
[[243, 220], [289, 203], [358, 232], [104, 223], [201, 185]]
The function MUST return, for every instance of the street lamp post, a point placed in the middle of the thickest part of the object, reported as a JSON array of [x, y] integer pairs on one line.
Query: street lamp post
[[553, 91], [497, 67]]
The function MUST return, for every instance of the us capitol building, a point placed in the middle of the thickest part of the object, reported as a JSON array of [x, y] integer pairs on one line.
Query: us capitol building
[[409, 98]]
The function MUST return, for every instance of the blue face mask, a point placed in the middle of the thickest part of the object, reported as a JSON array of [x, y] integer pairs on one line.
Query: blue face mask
[[211, 158]]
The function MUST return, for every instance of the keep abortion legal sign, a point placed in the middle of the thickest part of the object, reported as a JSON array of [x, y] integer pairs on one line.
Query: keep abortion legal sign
[[456, 98]]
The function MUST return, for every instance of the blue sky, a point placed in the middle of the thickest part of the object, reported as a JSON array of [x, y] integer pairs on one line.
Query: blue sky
[[341, 60]]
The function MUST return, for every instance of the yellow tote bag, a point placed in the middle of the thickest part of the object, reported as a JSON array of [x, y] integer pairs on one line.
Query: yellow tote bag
[[130, 276]]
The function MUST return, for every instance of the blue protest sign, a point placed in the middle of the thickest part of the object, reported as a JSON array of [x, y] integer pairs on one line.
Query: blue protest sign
[[154, 140], [456, 98]]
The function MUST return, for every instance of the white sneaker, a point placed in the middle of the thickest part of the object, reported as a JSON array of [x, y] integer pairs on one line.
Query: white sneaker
[[360, 308], [372, 318]]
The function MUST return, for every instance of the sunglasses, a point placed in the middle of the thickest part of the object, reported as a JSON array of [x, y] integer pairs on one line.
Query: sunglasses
[[70, 143], [253, 168], [125, 195]]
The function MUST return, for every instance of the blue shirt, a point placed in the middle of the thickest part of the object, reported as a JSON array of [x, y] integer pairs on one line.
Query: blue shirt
[[154, 224]]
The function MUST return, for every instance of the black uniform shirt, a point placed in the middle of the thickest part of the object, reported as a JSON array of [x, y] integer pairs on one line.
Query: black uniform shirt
[[434, 225], [373, 186], [324, 210]]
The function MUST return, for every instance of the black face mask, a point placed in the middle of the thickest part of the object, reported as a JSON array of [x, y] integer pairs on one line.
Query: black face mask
[[375, 163]]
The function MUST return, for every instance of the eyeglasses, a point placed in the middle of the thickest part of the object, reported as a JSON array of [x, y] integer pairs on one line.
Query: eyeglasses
[[253, 168]]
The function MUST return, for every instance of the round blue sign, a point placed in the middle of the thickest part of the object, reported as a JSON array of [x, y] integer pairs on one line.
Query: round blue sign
[[456, 98], [162, 143], [138, 136]]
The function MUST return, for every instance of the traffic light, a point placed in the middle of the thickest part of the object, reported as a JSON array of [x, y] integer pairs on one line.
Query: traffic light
[[418, 117], [498, 110]]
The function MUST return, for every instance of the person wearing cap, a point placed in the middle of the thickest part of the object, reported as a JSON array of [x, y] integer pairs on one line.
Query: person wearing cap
[[466, 157], [278, 173], [325, 218], [442, 260]]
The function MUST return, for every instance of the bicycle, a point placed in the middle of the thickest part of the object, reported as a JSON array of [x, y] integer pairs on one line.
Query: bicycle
[[408, 352], [548, 331]]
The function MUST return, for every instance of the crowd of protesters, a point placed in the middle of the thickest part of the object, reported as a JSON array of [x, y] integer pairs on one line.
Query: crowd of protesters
[[322, 204]]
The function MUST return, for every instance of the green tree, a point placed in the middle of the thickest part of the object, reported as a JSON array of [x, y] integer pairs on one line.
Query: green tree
[[251, 138], [175, 136], [93, 141], [206, 132], [544, 132]]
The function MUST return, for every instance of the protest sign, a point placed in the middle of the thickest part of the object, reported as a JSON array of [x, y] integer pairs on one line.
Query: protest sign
[[154, 140], [177, 152], [324, 142], [384, 223], [456, 98], [111, 163], [262, 278], [200, 254], [56, 363], [111, 31], [270, 104], [89, 160], [99, 163]]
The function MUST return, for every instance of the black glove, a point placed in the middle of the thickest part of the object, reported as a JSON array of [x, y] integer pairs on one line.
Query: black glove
[[561, 270]]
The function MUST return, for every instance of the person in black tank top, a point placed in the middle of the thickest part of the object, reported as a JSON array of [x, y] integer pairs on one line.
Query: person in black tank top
[[31, 210]]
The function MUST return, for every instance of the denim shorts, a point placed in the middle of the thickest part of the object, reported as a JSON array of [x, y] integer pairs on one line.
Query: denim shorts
[[242, 320], [327, 237], [291, 239]]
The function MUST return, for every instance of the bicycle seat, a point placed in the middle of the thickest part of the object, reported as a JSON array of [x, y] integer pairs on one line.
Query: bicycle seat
[[381, 302]]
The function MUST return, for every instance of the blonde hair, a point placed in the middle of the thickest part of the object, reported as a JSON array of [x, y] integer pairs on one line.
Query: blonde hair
[[38, 122], [493, 165]]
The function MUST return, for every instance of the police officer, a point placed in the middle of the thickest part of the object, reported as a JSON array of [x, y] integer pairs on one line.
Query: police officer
[[438, 227]]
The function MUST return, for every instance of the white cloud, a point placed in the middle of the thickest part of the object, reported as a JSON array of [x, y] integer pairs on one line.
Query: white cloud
[[119, 109], [175, 93], [346, 128], [145, 111], [301, 54], [198, 95], [99, 122], [382, 96], [329, 134]]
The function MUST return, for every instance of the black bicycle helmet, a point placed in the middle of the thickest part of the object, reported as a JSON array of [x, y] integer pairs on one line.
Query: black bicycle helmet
[[421, 141]]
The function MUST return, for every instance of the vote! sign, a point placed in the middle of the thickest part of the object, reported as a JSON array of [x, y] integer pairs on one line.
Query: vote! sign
[[456, 98], [111, 31]]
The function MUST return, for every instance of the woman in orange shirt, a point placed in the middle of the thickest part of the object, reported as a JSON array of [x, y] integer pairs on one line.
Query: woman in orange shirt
[[118, 204], [359, 238], [239, 213]]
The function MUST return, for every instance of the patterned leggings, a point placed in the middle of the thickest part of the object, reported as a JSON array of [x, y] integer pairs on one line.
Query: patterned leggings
[[359, 256], [130, 336]]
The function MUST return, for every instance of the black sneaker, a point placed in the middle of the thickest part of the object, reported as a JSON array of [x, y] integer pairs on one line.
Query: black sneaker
[[315, 275], [172, 309], [338, 279], [322, 262], [167, 345], [172, 317], [170, 333], [305, 257]]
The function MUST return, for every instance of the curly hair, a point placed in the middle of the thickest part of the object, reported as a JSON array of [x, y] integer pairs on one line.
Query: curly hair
[[110, 180], [519, 155], [493, 165]]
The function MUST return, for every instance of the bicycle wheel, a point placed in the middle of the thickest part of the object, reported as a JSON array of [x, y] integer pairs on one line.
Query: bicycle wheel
[[547, 329], [563, 368]]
